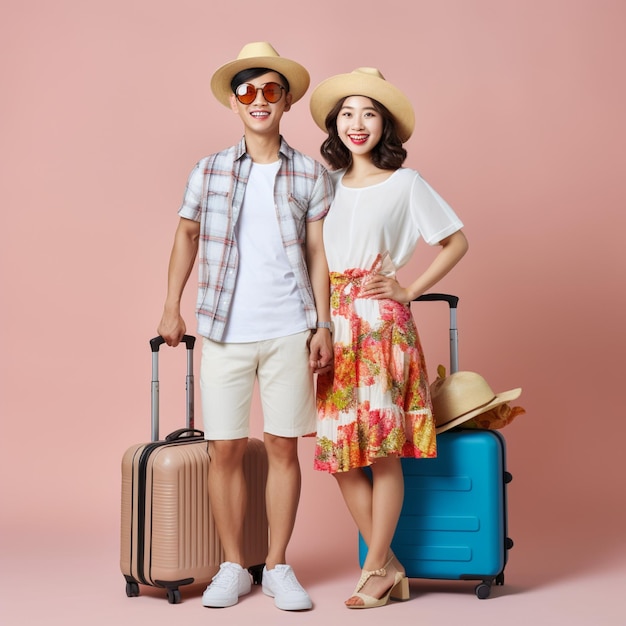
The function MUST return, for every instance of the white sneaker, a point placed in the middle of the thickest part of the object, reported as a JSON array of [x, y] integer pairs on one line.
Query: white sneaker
[[230, 582], [281, 584]]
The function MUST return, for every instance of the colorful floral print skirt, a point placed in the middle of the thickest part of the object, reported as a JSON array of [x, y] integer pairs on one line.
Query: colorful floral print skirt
[[376, 403]]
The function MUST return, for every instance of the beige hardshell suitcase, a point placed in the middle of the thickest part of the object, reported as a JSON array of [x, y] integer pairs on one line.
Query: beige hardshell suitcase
[[168, 537]]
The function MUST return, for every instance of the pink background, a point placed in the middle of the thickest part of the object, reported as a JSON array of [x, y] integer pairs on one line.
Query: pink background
[[105, 108]]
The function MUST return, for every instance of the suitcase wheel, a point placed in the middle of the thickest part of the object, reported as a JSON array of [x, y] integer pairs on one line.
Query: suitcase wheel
[[132, 589], [173, 596], [483, 590], [256, 571]]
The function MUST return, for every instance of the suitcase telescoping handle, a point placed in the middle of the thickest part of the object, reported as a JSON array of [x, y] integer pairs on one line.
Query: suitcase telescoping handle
[[453, 301], [155, 344]]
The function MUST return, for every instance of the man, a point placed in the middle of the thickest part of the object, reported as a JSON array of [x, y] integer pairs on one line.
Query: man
[[254, 212]]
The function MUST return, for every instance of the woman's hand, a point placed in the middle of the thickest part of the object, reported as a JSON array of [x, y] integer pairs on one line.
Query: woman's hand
[[380, 287]]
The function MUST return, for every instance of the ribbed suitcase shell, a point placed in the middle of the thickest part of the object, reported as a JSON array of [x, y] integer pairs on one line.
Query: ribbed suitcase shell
[[168, 537]]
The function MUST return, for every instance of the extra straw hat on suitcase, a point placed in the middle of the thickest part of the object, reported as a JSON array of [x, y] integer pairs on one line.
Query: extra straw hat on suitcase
[[461, 396]]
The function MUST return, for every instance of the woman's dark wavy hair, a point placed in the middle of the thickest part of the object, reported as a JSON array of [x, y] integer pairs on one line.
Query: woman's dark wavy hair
[[246, 76], [388, 154]]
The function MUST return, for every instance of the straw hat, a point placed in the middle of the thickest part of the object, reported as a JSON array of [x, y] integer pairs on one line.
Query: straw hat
[[259, 54], [462, 396], [364, 81]]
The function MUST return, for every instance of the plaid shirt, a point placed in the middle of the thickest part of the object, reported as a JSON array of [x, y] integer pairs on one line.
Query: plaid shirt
[[214, 196]]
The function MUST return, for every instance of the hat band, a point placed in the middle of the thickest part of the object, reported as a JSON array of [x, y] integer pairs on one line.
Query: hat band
[[480, 406]]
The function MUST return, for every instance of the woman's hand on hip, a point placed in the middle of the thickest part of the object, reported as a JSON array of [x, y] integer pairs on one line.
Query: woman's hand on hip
[[380, 287]]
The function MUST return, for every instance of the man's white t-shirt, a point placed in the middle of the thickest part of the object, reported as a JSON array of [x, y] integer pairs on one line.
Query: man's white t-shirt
[[266, 303]]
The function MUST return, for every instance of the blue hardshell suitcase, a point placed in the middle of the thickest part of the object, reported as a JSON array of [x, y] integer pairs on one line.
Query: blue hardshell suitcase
[[453, 523]]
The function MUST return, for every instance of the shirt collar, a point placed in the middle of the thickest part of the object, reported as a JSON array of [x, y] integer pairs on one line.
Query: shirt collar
[[285, 149]]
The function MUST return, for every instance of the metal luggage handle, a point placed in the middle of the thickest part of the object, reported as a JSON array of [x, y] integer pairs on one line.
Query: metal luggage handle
[[155, 344], [453, 302]]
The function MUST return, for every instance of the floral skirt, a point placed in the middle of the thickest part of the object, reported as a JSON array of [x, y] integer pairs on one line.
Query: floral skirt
[[376, 402]]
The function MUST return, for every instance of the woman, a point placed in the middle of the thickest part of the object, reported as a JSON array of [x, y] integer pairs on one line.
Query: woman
[[375, 407]]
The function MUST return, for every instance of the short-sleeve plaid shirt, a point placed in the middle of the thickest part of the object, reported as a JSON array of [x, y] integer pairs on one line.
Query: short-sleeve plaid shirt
[[214, 196]]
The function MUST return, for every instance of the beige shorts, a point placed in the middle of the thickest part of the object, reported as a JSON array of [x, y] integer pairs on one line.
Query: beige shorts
[[227, 375]]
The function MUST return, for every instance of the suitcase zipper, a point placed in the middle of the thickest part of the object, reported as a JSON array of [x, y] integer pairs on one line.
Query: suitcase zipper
[[142, 470]]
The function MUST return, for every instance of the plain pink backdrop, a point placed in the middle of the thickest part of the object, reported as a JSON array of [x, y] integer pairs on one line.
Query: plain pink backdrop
[[105, 108]]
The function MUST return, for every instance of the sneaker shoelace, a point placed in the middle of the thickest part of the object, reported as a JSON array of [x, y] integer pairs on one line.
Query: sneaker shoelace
[[288, 578], [224, 577]]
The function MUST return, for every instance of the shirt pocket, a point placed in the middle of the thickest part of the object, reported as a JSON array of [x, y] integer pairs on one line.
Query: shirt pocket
[[217, 201], [298, 206], [296, 218]]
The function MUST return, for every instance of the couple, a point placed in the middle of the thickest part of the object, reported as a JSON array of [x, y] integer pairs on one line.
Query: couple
[[284, 247]]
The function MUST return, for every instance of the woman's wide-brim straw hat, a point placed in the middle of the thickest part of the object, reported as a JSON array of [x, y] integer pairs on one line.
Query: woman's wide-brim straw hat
[[464, 395], [364, 81], [259, 54]]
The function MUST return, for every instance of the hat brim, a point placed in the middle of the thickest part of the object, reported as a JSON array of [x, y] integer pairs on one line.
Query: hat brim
[[330, 91], [295, 73], [501, 398]]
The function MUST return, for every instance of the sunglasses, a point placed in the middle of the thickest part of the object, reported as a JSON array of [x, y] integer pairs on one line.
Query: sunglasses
[[246, 92]]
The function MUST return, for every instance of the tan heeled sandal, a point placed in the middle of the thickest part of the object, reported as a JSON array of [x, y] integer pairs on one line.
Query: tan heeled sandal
[[399, 589]]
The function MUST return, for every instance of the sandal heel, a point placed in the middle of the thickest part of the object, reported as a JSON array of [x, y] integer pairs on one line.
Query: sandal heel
[[400, 590]]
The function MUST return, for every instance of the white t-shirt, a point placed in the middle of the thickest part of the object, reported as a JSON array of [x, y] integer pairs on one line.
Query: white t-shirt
[[385, 219], [266, 303]]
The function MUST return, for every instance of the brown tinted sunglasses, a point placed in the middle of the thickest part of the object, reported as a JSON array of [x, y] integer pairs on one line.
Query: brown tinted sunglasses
[[246, 92]]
